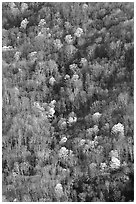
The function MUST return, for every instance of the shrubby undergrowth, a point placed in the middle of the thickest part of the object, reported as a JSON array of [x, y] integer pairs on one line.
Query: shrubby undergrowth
[[67, 112]]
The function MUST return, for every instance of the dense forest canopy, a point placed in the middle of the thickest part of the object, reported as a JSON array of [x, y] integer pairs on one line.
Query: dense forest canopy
[[68, 101]]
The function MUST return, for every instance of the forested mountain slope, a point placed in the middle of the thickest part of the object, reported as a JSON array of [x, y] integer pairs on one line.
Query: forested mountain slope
[[67, 102]]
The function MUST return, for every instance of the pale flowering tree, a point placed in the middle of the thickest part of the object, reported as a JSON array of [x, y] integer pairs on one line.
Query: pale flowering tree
[[52, 81], [51, 112], [40, 35], [85, 7], [42, 23], [79, 32], [72, 119], [49, 109], [115, 162], [82, 142], [69, 39], [118, 129], [63, 140], [73, 67], [59, 190], [114, 153], [62, 123], [91, 144], [103, 166], [52, 103], [38, 107], [24, 23], [63, 153], [75, 77], [96, 116], [83, 62], [67, 77], [96, 140]]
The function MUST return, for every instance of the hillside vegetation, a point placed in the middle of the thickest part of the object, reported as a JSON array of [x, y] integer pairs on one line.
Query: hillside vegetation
[[67, 102]]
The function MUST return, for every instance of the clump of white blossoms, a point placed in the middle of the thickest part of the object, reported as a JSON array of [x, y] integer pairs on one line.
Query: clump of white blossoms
[[52, 103], [57, 43], [72, 118], [85, 7], [118, 128], [75, 77], [107, 126], [79, 32], [114, 153], [96, 140], [63, 153], [67, 77], [62, 123], [63, 140], [42, 23], [69, 39], [51, 110], [115, 162], [103, 166], [84, 62], [52, 81], [73, 67], [59, 190], [24, 23], [82, 142], [91, 144], [96, 116], [37, 105]]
